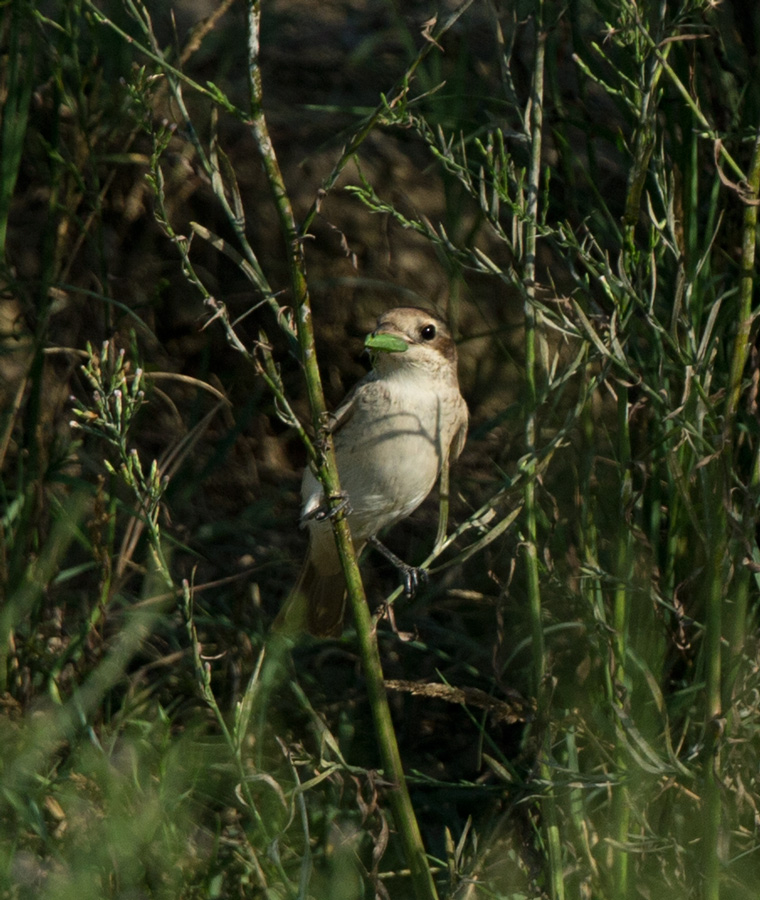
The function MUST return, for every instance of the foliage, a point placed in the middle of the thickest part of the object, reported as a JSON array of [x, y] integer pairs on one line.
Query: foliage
[[575, 695]]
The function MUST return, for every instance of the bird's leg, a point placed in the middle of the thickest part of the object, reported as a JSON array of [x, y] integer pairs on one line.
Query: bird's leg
[[412, 576], [325, 512]]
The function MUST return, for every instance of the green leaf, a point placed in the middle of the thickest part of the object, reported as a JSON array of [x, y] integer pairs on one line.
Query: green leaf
[[389, 343]]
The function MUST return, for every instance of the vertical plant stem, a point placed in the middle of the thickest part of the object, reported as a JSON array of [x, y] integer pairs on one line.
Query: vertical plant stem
[[738, 623], [406, 822], [711, 803], [530, 552], [531, 556], [745, 317], [719, 677], [444, 482], [620, 623], [15, 109], [644, 138], [643, 144], [397, 95]]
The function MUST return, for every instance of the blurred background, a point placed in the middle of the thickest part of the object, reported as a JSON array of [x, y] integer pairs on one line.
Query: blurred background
[[609, 703]]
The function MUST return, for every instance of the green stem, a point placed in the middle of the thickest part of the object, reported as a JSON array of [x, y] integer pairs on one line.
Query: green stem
[[690, 101], [738, 623], [530, 552], [443, 507], [15, 109], [621, 683], [749, 238], [398, 95], [328, 473], [643, 145], [531, 363], [711, 804], [406, 822], [719, 678]]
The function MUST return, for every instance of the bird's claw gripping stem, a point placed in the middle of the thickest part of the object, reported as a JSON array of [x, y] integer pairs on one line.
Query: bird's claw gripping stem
[[326, 512], [413, 577]]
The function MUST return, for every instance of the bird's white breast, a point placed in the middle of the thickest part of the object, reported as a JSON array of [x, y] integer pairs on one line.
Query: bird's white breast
[[390, 450]]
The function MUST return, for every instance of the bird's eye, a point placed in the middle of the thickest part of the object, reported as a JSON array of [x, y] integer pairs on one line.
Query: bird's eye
[[427, 333]]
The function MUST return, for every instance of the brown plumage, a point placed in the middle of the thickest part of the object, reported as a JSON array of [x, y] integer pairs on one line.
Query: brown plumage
[[393, 433]]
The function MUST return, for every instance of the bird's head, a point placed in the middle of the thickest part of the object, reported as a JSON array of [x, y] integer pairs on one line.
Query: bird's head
[[410, 338]]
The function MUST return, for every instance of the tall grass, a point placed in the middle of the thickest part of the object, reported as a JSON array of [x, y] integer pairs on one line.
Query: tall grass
[[585, 659]]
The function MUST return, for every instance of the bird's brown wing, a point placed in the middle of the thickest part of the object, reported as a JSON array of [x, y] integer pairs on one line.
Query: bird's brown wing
[[460, 436]]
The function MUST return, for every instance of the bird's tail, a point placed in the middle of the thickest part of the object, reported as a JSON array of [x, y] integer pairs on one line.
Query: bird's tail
[[316, 604]]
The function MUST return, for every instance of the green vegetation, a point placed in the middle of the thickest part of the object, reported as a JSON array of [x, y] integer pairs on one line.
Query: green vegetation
[[200, 219]]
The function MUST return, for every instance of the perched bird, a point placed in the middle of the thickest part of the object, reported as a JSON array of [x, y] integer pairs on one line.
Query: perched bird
[[393, 433]]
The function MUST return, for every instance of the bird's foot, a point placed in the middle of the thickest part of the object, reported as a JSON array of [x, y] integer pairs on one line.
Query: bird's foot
[[326, 511], [412, 577]]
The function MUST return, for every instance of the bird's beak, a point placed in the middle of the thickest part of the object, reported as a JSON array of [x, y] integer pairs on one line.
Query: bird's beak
[[387, 343]]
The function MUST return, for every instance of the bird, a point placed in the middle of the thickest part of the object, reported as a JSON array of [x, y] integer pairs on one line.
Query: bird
[[393, 433]]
